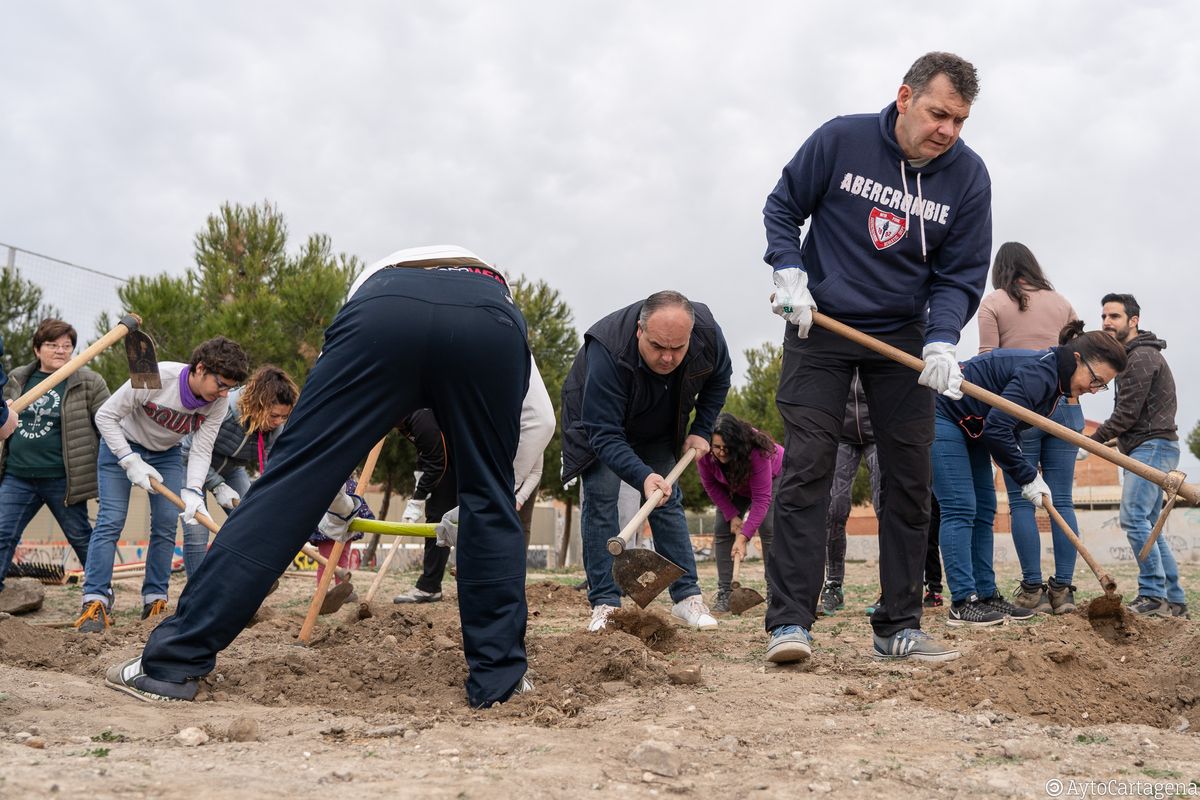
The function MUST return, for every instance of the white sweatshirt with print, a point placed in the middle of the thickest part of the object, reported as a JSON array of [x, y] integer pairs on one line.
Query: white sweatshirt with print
[[157, 420]]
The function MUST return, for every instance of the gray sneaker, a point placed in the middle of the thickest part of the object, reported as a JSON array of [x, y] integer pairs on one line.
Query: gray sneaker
[[1179, 610], [129, 678], [789, 644], [721, 602], [912, 643], [832, 598], [1150, 606], [418, 596]]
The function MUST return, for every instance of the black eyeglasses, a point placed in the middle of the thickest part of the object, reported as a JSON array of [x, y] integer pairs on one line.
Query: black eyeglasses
[[222, 386], [1097, 384], [719, 448]]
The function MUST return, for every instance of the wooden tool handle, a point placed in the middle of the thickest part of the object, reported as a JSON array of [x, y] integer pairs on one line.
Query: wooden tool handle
[[1188, 491], [314, 608], [737, 566], [1158, 526], [119, 331], [383, 570], [621, 541], [201, 517], [1106, 582]]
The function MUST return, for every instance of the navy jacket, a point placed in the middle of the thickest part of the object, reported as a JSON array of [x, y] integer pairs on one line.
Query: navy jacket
[[1035, 379], [602, 397], [887, 240]]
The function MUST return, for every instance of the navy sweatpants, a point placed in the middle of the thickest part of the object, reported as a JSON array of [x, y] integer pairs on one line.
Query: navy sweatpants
[[408, 339]]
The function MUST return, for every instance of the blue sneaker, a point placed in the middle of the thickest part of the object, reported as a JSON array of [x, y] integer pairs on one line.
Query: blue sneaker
[[789, 644], [912, 643]]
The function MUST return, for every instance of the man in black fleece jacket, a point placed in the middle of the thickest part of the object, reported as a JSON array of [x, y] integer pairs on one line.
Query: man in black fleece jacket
[[1143, 422]]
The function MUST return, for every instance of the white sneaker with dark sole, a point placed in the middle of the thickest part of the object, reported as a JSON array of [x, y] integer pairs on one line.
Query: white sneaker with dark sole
[[129, 678]]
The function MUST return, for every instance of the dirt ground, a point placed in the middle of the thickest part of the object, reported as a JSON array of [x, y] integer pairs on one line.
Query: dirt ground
[[375, 707]]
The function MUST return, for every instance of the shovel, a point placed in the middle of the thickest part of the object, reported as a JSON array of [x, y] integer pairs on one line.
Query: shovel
[[1109, 605], [139, 350], [742, 598], [643, 574]]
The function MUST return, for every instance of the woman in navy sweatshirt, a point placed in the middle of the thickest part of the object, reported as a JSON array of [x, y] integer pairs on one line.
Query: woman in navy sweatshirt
[[969, 434]]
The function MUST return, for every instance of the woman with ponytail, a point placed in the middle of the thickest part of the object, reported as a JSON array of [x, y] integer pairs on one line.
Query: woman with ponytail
[[969, 434], [1025, 312]]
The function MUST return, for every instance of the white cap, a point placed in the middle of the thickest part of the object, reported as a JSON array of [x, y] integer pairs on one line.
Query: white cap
[[431, 252]]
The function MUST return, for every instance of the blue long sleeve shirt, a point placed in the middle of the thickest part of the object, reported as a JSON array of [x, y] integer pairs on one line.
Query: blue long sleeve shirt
[[888, 244]]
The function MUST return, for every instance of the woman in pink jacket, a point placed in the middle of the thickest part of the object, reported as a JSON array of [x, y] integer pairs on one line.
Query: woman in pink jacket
[[739, 474]]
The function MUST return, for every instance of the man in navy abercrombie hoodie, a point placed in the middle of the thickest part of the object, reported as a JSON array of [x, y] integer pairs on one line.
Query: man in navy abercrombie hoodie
[[898, 245]]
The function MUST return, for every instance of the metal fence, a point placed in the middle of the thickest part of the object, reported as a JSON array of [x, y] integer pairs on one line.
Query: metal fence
[[80, 293]]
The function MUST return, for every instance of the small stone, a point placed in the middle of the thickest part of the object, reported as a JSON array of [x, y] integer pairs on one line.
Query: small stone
[[915, 694], [1182, 724], [984, 703], [191, 737], [820, 787], [410, 734], [983, 721], [648, 777], [1137, 762], [36, 742], [449, 751], [657, 757], [728, 743], [243, 729], [443, 642], [390, 640], [22, 736], [386, 730], [688, 675]]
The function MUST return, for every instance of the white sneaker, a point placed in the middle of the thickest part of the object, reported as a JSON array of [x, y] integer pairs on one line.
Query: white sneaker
[[600, 615], [693, 611]]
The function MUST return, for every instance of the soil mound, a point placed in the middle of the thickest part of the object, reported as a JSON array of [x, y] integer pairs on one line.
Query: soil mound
[[650, 625]]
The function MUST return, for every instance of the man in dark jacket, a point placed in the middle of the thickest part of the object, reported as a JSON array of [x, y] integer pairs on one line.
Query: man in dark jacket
[[625, 409], [434, 493], [1143, 422], [51, 460], [898, 245]]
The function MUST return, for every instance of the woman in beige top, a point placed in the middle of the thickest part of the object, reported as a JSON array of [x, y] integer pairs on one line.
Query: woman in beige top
[[1026, 313]]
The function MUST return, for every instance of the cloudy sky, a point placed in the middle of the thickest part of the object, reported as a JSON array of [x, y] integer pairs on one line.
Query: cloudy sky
[[610, 148]]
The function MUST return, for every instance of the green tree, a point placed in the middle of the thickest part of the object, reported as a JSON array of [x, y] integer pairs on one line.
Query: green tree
[[1193, 440], [21, 309], [754, 400], [244, 285]]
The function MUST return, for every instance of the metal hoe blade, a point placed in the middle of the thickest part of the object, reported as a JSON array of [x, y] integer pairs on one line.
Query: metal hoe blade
[[743, 598], [643, 574], [143, 361]]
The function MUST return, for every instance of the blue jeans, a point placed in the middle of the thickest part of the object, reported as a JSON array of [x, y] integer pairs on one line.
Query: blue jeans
[[1141, 502], [195, 535], [21, 498], [599, 523], [114, 506], [962, 482], [1057, 460]]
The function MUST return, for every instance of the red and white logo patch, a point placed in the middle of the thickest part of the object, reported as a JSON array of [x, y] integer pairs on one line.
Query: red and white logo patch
[[886, 228]]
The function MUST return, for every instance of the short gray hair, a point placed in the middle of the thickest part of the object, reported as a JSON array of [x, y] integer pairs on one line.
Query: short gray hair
[[961, 73], [664, 299]]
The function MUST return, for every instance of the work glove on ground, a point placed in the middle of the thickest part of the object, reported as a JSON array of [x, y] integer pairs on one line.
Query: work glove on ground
[[226, 496], [139, 472], [1036, 491], [447, 529], [335, 524], [941, 372], [193, 501], [792, 300], [414, 511]]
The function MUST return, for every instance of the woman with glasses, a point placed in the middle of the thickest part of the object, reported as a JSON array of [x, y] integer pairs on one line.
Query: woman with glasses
[[141, 430], [251, 425], [51, 457], [969, 434], [1025, 312], [739, 474]]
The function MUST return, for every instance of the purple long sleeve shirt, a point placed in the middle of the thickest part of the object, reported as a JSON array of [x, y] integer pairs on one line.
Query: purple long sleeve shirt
[[757, 487]]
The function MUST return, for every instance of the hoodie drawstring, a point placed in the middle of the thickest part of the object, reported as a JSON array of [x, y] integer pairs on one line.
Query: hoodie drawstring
[[921, 203]]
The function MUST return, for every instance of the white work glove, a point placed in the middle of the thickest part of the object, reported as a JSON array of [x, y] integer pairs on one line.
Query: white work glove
[[336, 522], [139, 472], [792, 300], [226, 496], [447, 529], [193, 501], [414, 511], [1034, 490], [941, 372]]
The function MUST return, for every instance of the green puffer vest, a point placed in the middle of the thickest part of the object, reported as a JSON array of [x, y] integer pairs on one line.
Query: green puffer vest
[[85, 392]]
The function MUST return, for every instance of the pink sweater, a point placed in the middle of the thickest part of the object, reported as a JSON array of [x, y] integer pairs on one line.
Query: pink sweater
[[762, 472], [1003, 324]]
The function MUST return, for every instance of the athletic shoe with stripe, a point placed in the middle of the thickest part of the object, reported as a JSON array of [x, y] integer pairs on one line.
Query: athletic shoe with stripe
[[912, 643], [974, 612], [129, 678], [789, 644]]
